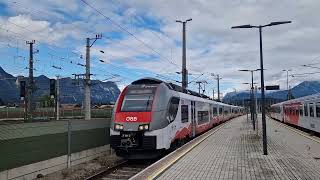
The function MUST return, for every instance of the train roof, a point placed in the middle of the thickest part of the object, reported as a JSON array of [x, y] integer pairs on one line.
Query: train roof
[[301, 99], [171, 86], [174, 87]]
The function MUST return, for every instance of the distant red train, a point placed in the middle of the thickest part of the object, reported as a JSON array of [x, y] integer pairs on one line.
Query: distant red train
[[152, 116], [303, 112]]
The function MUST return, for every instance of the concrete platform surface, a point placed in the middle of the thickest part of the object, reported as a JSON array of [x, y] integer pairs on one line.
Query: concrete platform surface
[[235, 152]]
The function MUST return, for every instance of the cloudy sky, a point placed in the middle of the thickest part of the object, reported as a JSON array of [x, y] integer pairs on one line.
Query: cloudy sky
[[141, 38]]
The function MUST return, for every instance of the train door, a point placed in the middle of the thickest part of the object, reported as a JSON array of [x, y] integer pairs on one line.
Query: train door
[[312, 117], [193, 118]]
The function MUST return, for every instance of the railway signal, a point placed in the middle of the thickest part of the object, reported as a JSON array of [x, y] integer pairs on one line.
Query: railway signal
[[52, 88], [22, 89]]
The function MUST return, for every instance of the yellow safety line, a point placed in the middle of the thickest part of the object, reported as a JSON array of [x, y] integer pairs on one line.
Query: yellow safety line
[[167, 165], [297, 131]]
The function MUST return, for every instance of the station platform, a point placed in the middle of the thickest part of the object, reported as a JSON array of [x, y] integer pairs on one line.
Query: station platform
[[234, 151]]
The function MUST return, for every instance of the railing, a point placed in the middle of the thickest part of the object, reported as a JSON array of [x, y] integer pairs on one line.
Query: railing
[[26, 143], [49, 114]]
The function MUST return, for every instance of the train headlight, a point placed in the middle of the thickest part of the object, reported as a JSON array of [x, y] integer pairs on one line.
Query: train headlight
[[143, 127], [118, 127], [140, 127]]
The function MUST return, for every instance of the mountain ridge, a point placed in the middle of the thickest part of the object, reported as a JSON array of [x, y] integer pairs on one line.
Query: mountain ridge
[[70, 91], [305, 88]]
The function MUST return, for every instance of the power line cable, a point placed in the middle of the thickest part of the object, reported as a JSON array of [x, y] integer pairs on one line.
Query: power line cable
[[125, 30]]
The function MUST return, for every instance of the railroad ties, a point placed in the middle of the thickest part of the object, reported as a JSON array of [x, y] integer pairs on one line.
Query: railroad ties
[[122, 171]]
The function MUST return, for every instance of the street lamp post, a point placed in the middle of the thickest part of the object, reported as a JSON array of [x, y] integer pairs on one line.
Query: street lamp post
[[263, 112], [184, 66], [287, 70], [251, 97]]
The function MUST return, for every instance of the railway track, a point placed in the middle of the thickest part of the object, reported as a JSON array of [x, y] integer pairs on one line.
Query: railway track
[[123, 170]]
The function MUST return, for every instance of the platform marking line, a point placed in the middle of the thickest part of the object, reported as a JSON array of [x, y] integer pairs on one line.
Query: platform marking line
[[298, 132], [167, 165]]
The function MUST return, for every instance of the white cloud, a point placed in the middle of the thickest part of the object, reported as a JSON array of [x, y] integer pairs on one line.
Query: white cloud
[[212, 45]]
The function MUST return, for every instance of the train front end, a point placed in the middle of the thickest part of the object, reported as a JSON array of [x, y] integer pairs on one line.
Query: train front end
[[132, 122]]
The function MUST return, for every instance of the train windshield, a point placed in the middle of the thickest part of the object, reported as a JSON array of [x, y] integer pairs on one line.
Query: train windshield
[[138, 99]]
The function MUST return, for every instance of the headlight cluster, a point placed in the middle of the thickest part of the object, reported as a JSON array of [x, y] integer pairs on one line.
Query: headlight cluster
[[143, 127], [118, 127]]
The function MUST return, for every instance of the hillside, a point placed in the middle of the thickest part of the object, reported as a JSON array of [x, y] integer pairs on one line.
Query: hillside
[[70, 91], [303, 89]]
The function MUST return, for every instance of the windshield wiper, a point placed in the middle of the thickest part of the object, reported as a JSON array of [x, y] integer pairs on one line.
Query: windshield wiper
[[147, 103]]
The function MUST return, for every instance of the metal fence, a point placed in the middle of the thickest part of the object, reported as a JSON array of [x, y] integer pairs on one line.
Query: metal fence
[[26, 143], [48, 113]]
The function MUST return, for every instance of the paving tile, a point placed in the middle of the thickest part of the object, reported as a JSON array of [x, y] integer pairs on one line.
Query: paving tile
[[235, 152]]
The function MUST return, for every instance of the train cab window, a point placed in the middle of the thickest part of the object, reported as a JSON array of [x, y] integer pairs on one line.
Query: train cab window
[[311, 109], [184, 113], [137, 103], [301, 110], [214, 111], [203, 117], [138, 99], [173, 108], [305, 108], [318, 109]]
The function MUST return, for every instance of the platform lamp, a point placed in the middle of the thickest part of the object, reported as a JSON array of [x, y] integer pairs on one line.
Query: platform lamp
[[264, 129]]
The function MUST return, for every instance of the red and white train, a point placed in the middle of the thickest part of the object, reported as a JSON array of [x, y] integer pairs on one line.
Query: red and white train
[[152, 116], [302, 112]]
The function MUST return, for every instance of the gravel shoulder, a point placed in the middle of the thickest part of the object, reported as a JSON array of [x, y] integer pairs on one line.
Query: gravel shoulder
[[86, 169]]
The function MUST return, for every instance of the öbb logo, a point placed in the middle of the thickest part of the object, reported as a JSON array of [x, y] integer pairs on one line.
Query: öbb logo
[[132, 119]]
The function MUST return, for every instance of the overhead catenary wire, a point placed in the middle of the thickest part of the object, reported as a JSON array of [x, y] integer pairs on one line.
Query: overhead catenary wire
[[127, 31], [61, 59]]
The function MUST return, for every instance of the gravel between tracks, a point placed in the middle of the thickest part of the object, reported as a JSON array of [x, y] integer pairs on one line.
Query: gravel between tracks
[[84, 169]]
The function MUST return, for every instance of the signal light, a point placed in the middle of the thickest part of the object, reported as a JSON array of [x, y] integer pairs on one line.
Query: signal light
[[22, 89], [52, 87]]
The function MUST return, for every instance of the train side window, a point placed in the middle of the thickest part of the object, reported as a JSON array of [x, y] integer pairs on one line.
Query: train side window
[[311, 109], [184, 113], [301, 110], [225, 111], [214, 111], [173, 108], [305, 108], [220, 111], [203, 117], [318, 109]]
